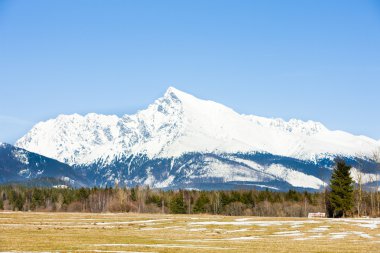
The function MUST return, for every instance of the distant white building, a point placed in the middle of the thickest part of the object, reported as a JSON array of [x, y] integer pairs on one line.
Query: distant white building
[[316, 215], [60, 186]]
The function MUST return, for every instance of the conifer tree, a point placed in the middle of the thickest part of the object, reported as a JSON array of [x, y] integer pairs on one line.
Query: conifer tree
[[200, 204], [342, 188], [177, 204]]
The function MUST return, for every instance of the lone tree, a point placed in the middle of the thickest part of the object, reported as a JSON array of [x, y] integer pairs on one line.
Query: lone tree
[[342, 190]]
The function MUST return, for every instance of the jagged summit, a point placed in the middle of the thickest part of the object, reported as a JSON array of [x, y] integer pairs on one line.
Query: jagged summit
[[179, 123], [171, 91]]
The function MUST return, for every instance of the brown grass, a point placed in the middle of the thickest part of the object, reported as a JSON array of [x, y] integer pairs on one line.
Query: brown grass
[[128, 232]]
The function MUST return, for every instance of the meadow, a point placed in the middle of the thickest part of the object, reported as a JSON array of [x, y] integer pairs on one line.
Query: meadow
[[132, 232]]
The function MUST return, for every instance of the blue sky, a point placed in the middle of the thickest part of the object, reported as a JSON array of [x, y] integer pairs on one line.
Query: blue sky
[[316, 60]]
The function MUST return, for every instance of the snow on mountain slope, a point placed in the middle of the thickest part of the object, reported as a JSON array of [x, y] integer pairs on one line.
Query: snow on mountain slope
[[295, 178], [211, 171], [21, 166], [179, 123]]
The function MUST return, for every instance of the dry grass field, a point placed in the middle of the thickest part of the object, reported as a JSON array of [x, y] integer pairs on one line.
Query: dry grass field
[[108, 232]]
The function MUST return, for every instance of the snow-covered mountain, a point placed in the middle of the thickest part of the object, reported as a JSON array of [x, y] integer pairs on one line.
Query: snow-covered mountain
[[20, 166], [179, 124]]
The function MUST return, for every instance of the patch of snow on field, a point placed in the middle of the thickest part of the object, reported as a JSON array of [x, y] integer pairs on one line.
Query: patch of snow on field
[[132, 222], [243, 219], [115, 251], [316, 236], [197, 229], [172, 227], [25, 252], [288, 233], [369, 225], [236, 223], [183, 246], [250, 223], [243, 238], [362, 234], [339, 235], [236, 231], [365, 223], [318, 229]]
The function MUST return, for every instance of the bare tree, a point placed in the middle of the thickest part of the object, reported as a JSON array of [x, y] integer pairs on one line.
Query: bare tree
[[376, 158], [358, 177], [142, 193]]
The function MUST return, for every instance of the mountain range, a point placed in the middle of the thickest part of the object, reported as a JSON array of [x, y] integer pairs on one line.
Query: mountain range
[[181, 141], [23, 167]]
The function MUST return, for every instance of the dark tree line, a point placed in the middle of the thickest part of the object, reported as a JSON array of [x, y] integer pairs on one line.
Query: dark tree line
[[145, 200]]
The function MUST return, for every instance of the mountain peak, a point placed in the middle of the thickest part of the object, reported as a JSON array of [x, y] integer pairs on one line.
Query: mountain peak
[[175, 93], [172, 89]]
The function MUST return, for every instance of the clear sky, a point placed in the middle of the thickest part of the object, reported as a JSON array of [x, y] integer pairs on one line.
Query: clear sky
[[317, 60]]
